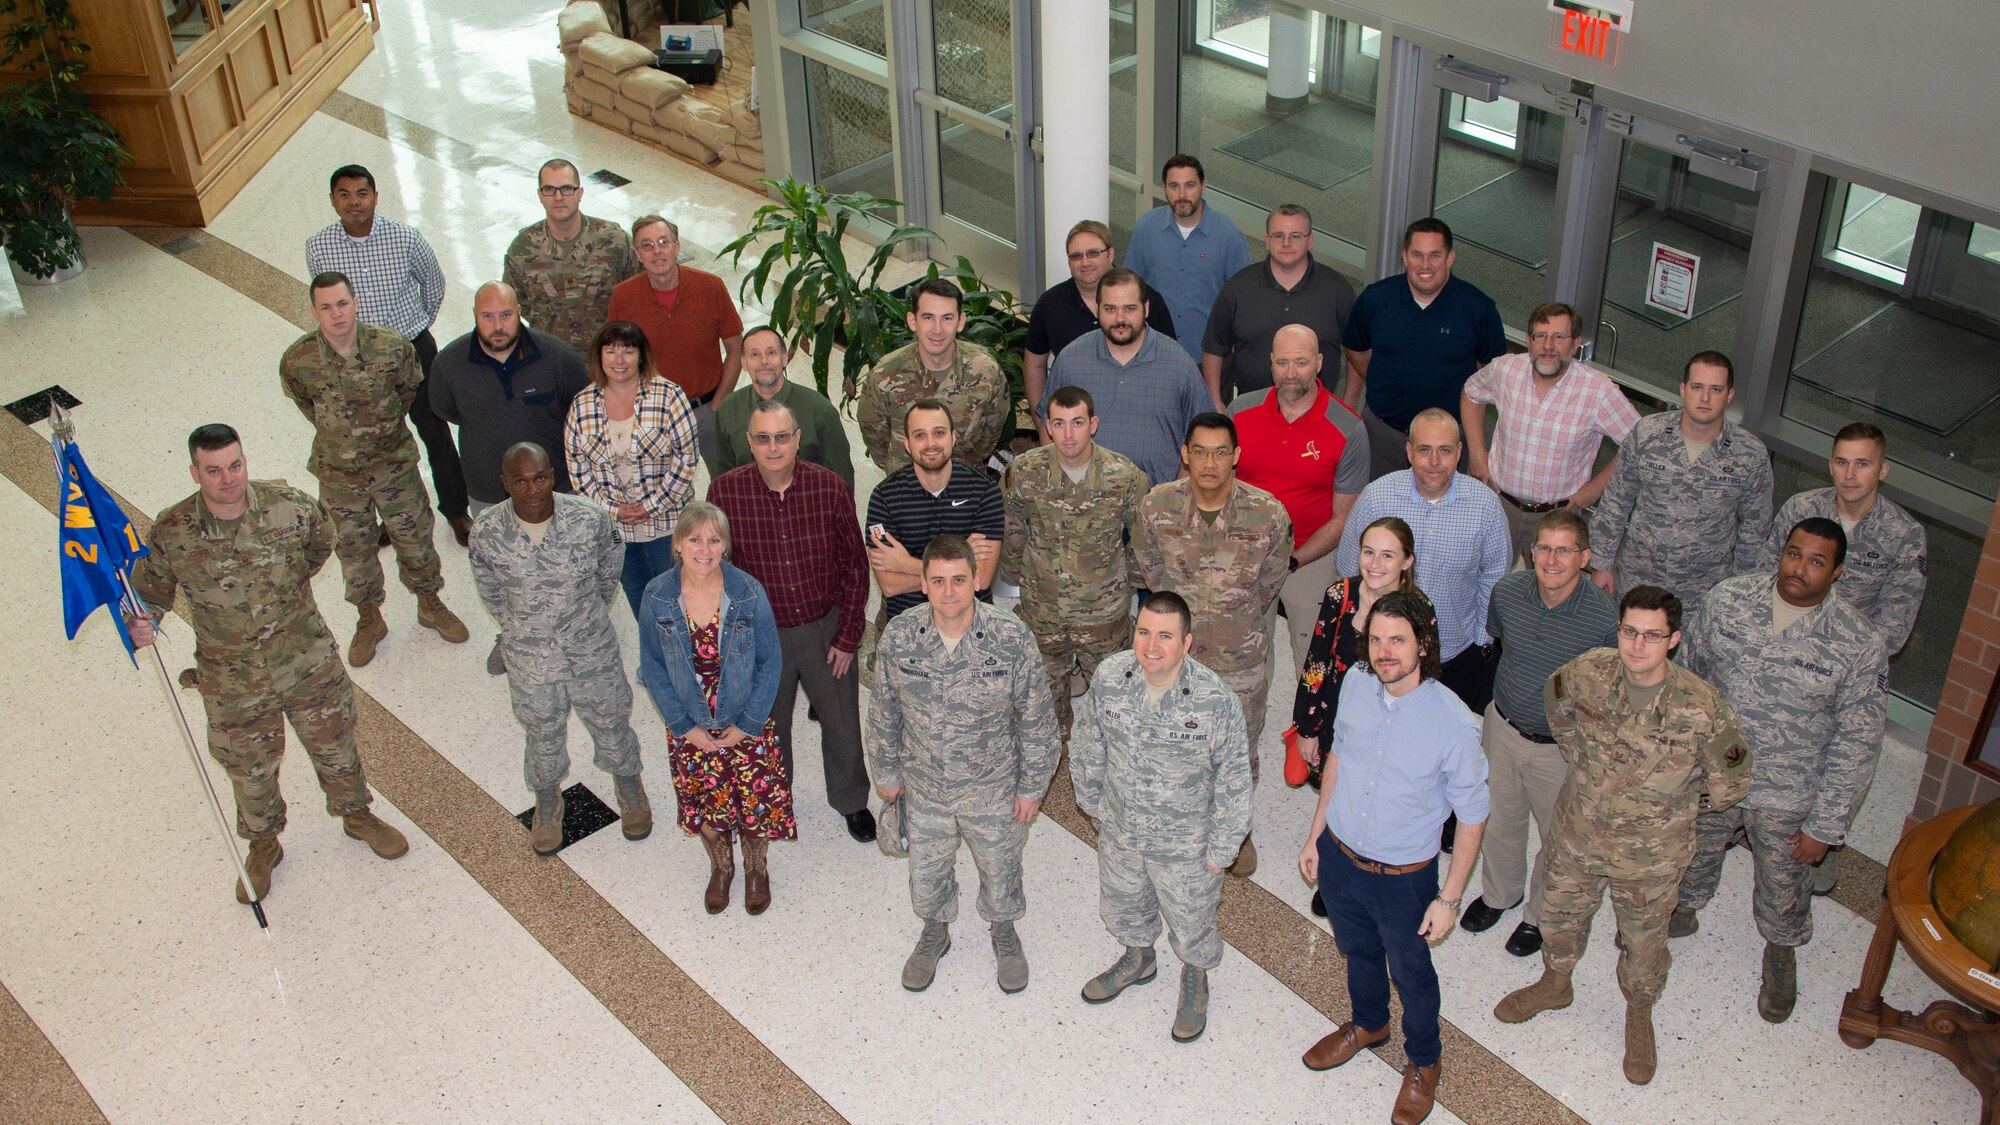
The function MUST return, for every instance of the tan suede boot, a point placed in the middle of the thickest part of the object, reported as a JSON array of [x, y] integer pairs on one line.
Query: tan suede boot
[[635, 811], [1545, 995], [432, 614], [545, 836], [1246, 860], [382, 839], [368, 633], [264, 855], [1640, 1058]]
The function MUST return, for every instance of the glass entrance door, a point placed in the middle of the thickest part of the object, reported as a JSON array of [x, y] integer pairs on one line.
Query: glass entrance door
[[977, 161]]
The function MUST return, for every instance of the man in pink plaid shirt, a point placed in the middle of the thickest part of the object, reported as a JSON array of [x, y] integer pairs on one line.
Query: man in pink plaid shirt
[[1555, 411]]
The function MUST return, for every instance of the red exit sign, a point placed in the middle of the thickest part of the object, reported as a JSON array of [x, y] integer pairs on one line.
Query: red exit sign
[[1591, 30]]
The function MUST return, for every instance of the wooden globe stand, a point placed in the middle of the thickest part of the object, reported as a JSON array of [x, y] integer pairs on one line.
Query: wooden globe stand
[[1968, 1036]]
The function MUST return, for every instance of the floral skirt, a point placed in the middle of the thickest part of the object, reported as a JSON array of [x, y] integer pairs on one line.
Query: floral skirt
[[742, 788]]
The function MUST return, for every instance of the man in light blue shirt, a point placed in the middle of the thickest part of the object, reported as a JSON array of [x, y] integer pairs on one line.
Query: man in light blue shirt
[[1405, 754], [1186, 250]]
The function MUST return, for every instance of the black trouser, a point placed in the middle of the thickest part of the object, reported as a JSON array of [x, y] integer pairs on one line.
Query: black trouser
[[446, 477], [1469, 675]]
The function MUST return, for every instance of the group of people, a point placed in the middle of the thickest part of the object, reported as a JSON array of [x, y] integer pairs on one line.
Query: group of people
[[1219, 444]]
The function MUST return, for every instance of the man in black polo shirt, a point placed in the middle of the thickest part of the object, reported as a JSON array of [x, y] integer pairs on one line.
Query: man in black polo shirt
[[1543, 618], [932, 495], [1412, 342], [1068, 309], [1287, 287]]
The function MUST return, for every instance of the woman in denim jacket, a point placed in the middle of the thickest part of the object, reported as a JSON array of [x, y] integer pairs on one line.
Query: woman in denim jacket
[[711, 657]]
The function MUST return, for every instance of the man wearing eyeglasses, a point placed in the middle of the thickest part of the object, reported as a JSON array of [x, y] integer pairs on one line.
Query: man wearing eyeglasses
[[565, 266], [1287, 287], [1554, 413], [1649, 746], [693, 327], [1542, 618], [1067, 310]]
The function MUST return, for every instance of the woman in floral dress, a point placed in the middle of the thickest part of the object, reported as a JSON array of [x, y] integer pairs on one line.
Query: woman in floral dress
[[711, 665]]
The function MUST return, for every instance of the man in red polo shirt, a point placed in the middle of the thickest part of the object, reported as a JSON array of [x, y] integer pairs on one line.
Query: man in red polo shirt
[[1304, 446], [689, 321]]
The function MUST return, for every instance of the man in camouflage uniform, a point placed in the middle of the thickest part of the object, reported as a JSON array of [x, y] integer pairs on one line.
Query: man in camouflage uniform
[[1159, 766], [1649, 746], [1806, 675], [1888, 558], [547, 567], [1226, 547], [965, 377], [961, 724], [245, 552], [355, 382], [1070, 506], [1689, 501], [565, 266]]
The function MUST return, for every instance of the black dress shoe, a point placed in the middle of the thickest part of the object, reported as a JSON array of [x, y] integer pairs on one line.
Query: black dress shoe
[[861, 826], [1526, 940], [1450, 831], [1318, 905], [1480, 916]]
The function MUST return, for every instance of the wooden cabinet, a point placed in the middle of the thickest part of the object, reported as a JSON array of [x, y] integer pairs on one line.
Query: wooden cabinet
[[205, 91]]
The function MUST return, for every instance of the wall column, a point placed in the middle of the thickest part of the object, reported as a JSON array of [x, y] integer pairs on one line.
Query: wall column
[[1075, 72]]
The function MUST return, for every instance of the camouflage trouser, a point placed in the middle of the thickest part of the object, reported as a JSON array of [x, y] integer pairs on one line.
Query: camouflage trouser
[[246, 735], [1135, 890], [404, 509], [1782, 900], [996, 842], [1643, 907], [1253, 689], [603, 702], [1071, 653]]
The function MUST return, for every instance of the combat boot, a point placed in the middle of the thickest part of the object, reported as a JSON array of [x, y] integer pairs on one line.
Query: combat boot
[[1246, 860], [1545, 995], [1135, 966], [921, 968], [1191, 1018], [265, 853], [545, 833], [370, 829], [432, 614], [1640, 1058], [635, 812], [1684, 922], [368, 633], [1011, 961], [1781, 983]]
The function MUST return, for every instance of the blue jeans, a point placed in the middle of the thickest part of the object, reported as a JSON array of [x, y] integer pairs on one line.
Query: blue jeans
[[1375, 920], [644, 562]]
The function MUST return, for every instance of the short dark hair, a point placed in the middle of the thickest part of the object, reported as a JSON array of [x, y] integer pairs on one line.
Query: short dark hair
[[1863, 431], [627, 334], [1712, 359], [327, 280], [1119, 275], [1652, 597], [1183, 160], [214, 436], [1071, 396], [1210, 420], [772, 406], [559, 162], [1429, 225], [1563, 519], [349, 172], [944, 548], [1166, 601], [937, 287], [1819, 527], [782, 341], [930, 404], [1423, 624], [1549, 310]]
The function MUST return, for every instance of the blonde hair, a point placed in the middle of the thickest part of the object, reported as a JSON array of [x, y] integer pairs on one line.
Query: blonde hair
[[697, 515]]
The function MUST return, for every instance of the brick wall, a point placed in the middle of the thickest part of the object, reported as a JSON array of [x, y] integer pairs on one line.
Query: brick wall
[[1948, 782]]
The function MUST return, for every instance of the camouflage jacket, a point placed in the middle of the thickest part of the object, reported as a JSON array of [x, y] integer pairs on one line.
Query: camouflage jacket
[[565, 287], [1637, 779], [1811, 698], [1170, 780], [1066, 541], [356, 405], [1229, 571], [257, 629], [970, 728], [1888, 560], [552, 599], [975, 390]]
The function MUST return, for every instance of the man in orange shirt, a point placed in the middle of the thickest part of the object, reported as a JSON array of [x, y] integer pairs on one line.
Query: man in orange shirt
[[689, 320]]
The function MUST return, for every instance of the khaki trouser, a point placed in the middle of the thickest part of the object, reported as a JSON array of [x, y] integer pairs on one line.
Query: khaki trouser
[[1303, 592], [1522, 779]]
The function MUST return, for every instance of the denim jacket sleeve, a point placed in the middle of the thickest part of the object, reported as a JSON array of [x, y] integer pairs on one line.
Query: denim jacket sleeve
[[653, 666]]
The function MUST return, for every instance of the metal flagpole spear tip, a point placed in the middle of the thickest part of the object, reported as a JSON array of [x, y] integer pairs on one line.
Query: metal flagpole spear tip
[[61, 424]]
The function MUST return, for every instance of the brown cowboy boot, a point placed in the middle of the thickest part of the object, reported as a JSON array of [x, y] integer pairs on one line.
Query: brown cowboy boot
[[756, 876], [721, 871]]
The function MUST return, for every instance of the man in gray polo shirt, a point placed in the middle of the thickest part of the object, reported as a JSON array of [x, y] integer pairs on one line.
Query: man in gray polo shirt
[[1287, 287], [1146, 388], [1543, 618]]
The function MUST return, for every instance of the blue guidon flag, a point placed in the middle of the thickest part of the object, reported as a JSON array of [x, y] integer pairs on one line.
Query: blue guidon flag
[[96, 541]]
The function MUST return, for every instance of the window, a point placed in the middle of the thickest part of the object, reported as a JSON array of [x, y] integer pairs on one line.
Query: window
[[1497, 122], [1875, 233]]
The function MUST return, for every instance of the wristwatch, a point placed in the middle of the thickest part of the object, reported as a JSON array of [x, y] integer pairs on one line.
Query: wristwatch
[[1451, 903]]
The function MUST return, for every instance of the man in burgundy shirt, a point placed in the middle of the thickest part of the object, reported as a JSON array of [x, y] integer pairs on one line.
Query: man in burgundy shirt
[[792, 527], [689, 321], [1304, 446]]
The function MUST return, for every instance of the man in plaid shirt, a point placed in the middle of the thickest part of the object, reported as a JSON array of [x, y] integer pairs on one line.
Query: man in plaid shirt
[[1555, 411]]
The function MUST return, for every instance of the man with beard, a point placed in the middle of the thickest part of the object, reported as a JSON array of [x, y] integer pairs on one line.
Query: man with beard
[[1068, 309], [932, 495], [822, 439], [1186, 250]]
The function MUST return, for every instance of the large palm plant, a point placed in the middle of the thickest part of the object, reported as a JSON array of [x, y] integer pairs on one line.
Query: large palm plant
[[54, 149]]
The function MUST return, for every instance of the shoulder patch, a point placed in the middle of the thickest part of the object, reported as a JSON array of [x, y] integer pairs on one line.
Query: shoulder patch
[[1556, 682]]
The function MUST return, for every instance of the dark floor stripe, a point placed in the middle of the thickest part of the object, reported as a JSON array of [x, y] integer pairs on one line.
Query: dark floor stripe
[[235, 267], [37, 1084]]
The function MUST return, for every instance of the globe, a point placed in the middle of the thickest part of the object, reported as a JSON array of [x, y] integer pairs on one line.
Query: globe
[[1965, 883]]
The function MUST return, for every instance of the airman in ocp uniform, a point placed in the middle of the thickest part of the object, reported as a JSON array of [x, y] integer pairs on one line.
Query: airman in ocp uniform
[[1649, 746], [965, 377], [564, 267]]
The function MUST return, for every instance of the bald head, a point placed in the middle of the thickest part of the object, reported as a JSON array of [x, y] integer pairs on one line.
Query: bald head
[[496, 317], [1295, 365]]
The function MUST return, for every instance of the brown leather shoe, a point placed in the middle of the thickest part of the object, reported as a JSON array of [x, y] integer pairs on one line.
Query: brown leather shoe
[[433, 614], [368, 632], [461, 530], [1346, 1042], [264, 855], [1418, 1095], [721, 873]]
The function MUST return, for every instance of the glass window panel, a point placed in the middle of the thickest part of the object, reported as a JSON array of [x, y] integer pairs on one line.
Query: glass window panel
[[974, 40], [1985, 242], [857, 23], [1124, 85], [1876, 232], [976, 178], [849, 123], [1495, 122], [187, 21], [1500, 204]]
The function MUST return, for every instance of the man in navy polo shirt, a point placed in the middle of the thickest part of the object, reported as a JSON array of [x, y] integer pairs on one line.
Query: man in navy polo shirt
[[1413, 341]]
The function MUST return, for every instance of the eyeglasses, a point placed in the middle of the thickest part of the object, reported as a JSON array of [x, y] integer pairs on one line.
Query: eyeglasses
[[1650, 636], [550, 191], [1563, 553], [1551, 338], [1087, 255], [1210, 454], [655, 243], [784, 438], [1288, 236]]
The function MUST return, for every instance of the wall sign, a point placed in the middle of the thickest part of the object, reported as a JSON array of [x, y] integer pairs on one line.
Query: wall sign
[[1591, 29], [1670, 282]]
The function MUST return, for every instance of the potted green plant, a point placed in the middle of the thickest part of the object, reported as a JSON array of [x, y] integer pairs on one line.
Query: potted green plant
[[818, 301], [54, 149]]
